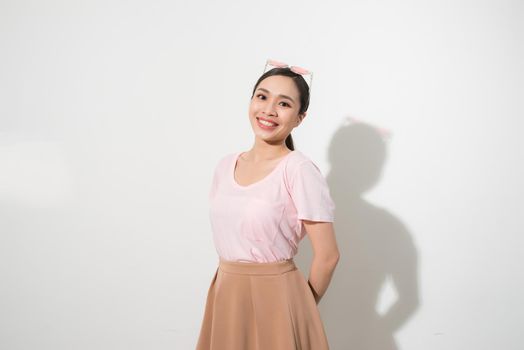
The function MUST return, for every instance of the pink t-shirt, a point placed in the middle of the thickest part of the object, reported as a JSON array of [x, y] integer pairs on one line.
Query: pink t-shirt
[[261, 222]]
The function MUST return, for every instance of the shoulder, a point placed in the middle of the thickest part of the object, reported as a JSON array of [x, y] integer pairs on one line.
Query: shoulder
[[299, 160], [223, 163], [299, 163], [228, 157]]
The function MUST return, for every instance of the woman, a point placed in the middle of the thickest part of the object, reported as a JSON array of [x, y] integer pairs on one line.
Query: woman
[[262, 203]]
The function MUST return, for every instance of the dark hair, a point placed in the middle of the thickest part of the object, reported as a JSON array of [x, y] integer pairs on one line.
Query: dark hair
[[303, 90]]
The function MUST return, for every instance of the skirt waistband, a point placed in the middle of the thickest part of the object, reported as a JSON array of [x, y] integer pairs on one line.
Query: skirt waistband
[[250, 268]]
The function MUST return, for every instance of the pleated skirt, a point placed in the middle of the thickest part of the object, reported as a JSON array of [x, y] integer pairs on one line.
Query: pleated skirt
[[260, 306]]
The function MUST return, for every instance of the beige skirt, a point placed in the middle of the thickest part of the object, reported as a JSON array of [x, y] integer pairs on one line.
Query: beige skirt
[[262, 306]]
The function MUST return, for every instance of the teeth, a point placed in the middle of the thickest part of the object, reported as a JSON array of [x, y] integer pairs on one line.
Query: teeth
[[266, 123]]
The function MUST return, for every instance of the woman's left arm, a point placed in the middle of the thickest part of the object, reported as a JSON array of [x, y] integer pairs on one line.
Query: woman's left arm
[[325, 256]]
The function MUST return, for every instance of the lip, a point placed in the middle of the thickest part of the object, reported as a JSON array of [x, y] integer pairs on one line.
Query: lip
[[264, 127], [268, 120]]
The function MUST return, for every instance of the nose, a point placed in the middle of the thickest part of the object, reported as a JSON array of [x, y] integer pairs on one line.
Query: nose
[[269, 108]]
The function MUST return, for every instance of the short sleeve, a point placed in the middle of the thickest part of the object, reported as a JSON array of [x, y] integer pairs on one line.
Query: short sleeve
[[310, 194]]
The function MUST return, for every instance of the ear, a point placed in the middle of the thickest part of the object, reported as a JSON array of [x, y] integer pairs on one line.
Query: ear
[[301, 117]]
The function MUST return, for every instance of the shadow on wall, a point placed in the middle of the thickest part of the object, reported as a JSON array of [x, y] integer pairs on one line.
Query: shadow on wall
[[375, 248]]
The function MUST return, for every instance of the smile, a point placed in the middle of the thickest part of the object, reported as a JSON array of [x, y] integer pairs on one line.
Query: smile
[[266, 125]]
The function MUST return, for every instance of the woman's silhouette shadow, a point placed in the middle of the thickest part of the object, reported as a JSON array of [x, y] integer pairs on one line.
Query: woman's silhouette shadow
[[374, 245]]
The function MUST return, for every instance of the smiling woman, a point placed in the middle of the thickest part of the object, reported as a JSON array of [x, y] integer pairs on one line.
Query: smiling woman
[[266, 123], [262, 203], [284, 90]]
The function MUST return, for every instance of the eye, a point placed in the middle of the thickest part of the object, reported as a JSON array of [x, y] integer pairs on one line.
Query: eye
[[262, 96]]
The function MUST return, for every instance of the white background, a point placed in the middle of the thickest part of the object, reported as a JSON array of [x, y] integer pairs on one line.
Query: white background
[[113, 115]]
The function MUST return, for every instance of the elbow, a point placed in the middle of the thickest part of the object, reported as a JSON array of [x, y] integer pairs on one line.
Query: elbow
[[331, 259], [336, 258]]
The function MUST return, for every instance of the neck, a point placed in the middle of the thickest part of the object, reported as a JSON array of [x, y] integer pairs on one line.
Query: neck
[[262, 151]]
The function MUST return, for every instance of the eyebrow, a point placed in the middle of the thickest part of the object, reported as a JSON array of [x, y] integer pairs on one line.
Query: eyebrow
[[283, 96]]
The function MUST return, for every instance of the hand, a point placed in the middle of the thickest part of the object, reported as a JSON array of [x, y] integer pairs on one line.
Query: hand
[[315, 294]]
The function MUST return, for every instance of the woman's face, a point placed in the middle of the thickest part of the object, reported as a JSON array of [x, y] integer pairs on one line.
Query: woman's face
[[275, 100]]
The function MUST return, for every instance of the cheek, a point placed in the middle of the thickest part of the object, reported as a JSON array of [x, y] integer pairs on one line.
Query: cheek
[[252, 106], [252, 112], [291, 117]]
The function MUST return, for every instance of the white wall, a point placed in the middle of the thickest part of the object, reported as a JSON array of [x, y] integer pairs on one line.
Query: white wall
[[113, 115]]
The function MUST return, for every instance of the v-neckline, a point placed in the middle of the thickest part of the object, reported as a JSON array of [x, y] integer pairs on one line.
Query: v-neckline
[[234, 165]]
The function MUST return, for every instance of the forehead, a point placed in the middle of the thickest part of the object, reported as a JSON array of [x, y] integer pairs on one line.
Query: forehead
[[280, 85]]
